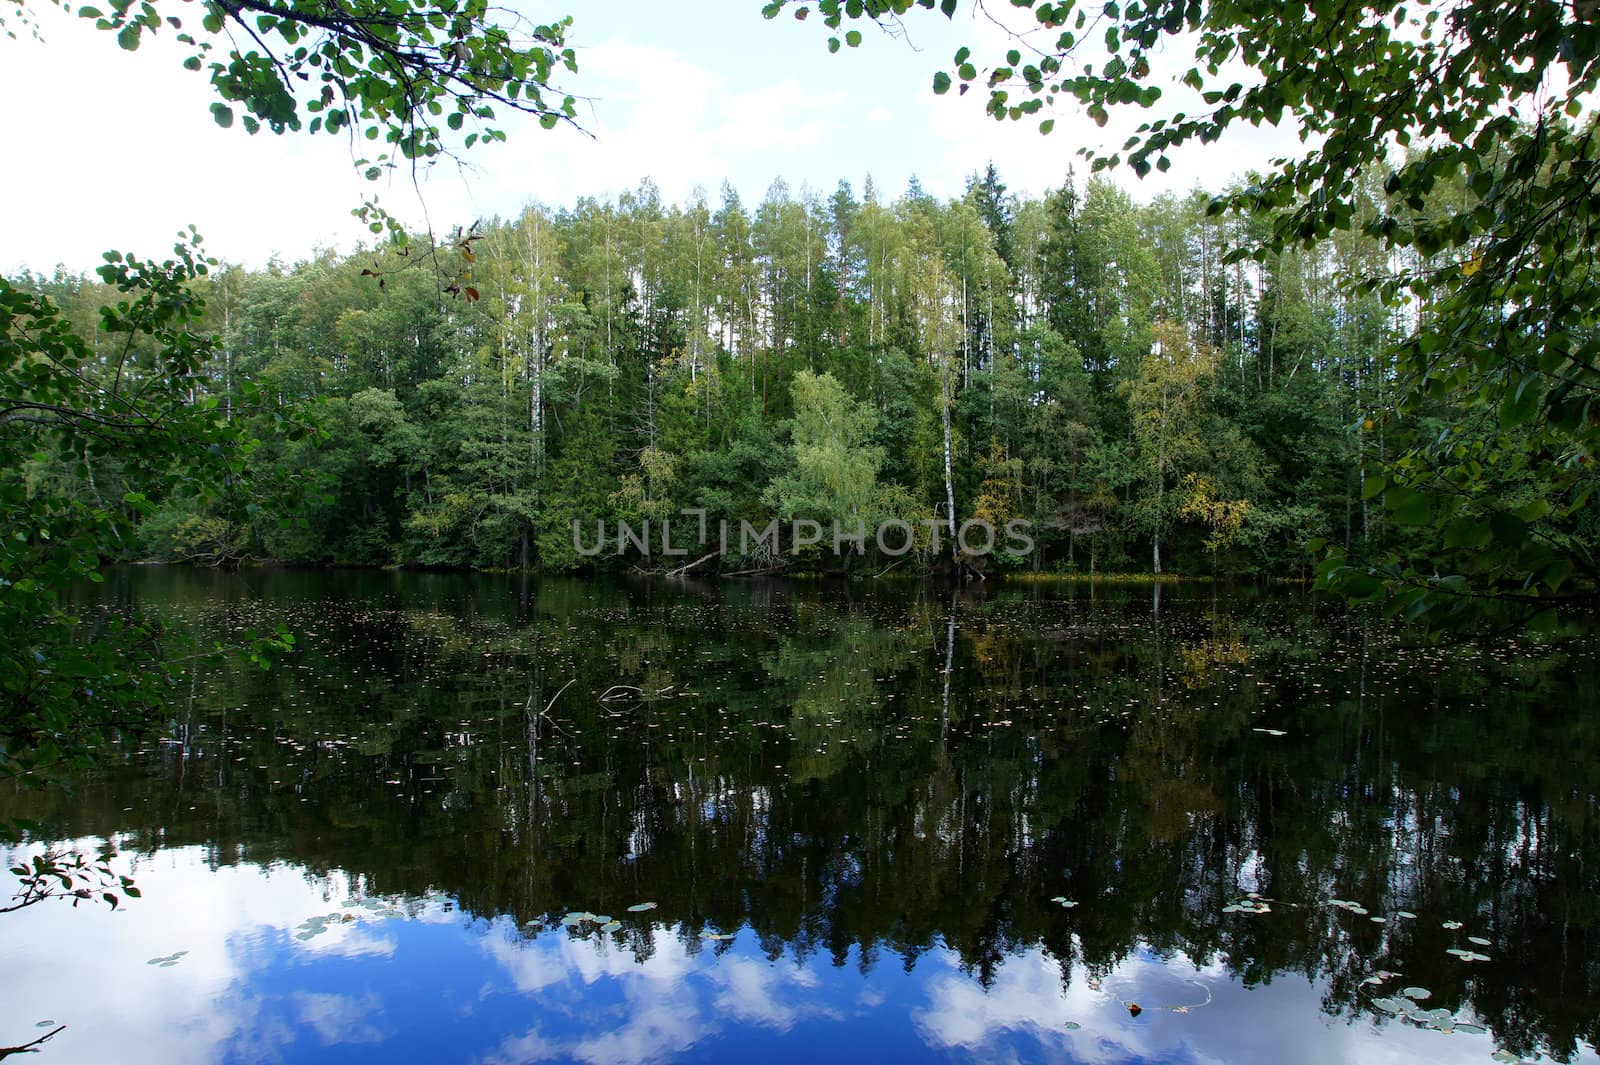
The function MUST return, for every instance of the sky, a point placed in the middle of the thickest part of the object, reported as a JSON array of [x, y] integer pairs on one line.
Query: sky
[[112, 149]]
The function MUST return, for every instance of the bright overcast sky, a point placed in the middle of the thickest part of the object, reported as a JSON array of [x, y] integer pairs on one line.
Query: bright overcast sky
[[111, 149]]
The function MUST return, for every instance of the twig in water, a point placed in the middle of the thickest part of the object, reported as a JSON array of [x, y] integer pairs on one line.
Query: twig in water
[[681, 570], [33, 1047]]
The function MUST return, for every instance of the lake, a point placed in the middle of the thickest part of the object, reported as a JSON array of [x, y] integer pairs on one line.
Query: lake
[[502, 820]]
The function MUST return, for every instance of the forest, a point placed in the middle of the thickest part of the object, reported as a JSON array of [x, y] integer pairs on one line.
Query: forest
[[1082, 361]]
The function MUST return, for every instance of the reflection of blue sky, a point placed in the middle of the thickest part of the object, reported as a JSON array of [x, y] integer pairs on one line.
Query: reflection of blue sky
[[425, 983]]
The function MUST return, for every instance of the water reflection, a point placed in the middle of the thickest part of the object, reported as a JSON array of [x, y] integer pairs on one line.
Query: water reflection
[[878, 795]]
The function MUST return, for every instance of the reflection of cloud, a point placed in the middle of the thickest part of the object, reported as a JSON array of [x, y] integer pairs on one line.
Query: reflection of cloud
[[764, 994], [1026, 996], [230, 919], [247, 991], [1023, 1016], [340, 1018], [522, 1050], [670, 1002], [652, 1032]]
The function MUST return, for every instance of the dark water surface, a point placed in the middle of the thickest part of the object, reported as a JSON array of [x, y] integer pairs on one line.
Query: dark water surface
[[875, 823]]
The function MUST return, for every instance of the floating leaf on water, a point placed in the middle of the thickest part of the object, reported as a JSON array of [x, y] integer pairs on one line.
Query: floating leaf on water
[[45, 1024], [1457, 951], [1072, 1026], [1373, 980], [1472, 1029], [1378, 920], [1230, 909], [600, 918], [1478, 940], [1271, 731], [1416, 994], [720, 937], [1473, 956], [1406, 915], [1502, 1056], [1388, 1005], [611, 926], [1451, 926], [641, 907]]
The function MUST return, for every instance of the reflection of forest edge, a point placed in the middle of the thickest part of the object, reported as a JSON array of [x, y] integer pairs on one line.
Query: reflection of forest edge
[[905, 769]]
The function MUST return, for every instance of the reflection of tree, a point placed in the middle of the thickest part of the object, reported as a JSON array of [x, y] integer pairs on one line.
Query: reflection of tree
[[788, 764]]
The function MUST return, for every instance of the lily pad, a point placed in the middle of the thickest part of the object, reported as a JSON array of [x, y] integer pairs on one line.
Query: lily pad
[[1406, 915], [1451, 926], [1416, 994], [1389, 1005], [1072, 1026], [1472, 1029], [641, 907], [611, 926], [1478, 940]]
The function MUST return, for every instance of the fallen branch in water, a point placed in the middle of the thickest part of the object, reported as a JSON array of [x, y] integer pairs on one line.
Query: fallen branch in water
[[681, 570], [33, 1047], [545, 713], [889, 567]]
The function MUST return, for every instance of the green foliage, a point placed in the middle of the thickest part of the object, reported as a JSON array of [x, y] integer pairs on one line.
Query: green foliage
[[66, 678], [1486, 225]]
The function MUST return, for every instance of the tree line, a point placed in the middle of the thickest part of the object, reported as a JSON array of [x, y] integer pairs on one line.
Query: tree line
[[1080, 361]]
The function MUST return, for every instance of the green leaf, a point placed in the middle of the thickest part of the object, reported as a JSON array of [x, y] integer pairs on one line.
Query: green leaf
[[1409, 507], [941, 83], [1467, 532], [222, 114]]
